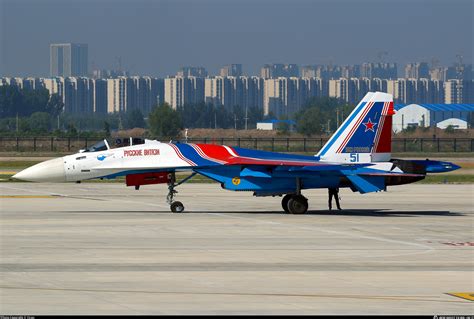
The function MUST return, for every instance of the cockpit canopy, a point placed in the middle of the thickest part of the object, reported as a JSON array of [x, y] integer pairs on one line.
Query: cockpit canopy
[[118, 142]]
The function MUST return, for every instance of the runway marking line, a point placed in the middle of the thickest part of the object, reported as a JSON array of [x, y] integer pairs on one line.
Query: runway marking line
[[29, 196], [464, 295]]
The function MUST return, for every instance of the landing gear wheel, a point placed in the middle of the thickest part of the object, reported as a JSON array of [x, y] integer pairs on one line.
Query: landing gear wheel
[[298, 204], [284, 202], [177, 207]]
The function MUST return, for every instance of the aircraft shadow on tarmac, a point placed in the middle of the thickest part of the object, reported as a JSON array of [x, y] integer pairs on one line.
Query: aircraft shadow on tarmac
[[345, 212]]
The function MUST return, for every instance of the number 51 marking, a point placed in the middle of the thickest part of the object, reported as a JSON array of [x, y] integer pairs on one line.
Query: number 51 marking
[[354, 157]]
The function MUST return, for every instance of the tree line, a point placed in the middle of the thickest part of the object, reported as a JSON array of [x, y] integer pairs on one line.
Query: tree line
[[318, 116], [30, 112]]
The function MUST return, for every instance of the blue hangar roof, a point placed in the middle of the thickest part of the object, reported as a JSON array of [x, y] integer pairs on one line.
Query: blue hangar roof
[[441, 107]]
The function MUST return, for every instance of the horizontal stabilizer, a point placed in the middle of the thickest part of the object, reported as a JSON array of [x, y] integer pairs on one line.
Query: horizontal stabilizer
[[367, 184]]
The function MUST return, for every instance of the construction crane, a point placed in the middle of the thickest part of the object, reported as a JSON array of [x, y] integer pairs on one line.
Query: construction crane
[[381, 55], [459, 67]]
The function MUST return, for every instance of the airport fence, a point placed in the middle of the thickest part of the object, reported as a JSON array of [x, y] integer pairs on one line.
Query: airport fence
[[277, 144]]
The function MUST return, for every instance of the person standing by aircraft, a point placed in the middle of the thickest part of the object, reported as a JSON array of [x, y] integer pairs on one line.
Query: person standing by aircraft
[[333, 192]]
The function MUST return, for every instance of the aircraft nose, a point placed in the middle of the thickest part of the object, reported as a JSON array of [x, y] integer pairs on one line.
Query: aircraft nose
[[47, 171]]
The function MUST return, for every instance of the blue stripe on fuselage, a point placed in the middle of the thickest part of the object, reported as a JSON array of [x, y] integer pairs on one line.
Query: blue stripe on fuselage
[[190, 153], [342, 129]]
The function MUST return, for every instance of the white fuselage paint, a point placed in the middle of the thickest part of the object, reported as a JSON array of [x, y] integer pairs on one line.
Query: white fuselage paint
[[151, 155]]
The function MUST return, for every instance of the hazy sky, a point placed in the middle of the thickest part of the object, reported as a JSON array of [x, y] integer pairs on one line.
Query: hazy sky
[[156, 37]]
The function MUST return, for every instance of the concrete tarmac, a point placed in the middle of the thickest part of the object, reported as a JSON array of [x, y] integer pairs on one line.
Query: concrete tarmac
[[99, 248]]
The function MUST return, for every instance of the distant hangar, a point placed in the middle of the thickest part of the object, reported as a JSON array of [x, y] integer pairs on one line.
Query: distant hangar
[[426, 115]]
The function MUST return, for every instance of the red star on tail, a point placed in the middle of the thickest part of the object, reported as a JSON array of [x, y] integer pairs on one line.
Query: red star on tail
[[369, 126]]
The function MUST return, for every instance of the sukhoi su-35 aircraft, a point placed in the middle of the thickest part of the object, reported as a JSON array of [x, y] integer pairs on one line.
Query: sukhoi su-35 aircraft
[[357, 156]]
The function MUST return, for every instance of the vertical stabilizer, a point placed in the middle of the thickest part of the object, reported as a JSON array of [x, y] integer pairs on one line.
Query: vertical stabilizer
[[366, 134]]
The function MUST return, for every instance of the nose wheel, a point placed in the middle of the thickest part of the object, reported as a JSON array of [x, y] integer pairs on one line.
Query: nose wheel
[[175, 206]]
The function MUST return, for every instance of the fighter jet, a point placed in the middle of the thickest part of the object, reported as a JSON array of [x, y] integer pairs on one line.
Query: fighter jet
[[357, 156]]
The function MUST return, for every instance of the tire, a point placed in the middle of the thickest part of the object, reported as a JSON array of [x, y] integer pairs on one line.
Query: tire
[[284, 202], [177, 207], [298, 204]]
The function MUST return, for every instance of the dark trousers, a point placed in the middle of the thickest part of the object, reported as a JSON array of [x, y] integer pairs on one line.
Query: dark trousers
[[333, 192]]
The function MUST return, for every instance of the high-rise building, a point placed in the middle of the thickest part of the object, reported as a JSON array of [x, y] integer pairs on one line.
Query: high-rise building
[[253, 88], [309, 71], [29, 83], [77, 95], [338, 88], [179, 91], [107, 74], [284, 96], [231, 70], [218, 91], [68, 59], [325, 72], [350, 90], [99, 95], [460, 71], [127, 93], [350, 71], [438, 74], [417, 70], [276, 70], [429, 91], [54, 85], [316, 87], [377, 70], [116, 95], [266, 71], [185, 71], [245, 92], [458, 91], [377, 84], [274, 98]]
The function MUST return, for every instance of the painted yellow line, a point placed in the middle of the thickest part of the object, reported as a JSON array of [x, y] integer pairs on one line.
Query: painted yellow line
[[28, 196], [8, 172], [464, 295]]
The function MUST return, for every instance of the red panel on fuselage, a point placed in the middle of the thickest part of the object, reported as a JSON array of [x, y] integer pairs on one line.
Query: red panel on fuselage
[[146, 179], [218, 152]]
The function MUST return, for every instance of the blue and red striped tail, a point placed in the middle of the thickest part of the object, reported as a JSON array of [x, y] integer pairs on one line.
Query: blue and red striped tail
[[366, 134]]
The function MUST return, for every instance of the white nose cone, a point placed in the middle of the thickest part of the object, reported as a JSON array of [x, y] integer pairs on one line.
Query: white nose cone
[[47, 171]]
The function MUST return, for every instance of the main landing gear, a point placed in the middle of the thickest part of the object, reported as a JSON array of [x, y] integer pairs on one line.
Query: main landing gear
[[175, 206], [295, 203]]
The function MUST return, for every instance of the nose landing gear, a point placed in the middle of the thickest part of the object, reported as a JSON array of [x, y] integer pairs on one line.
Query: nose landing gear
[[175, 206]]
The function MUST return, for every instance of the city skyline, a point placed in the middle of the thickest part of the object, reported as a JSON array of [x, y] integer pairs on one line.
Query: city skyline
[[157, 38], [281, 96]]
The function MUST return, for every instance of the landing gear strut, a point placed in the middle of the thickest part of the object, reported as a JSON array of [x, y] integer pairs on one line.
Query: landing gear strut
[[295, 203], [175, 206]]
